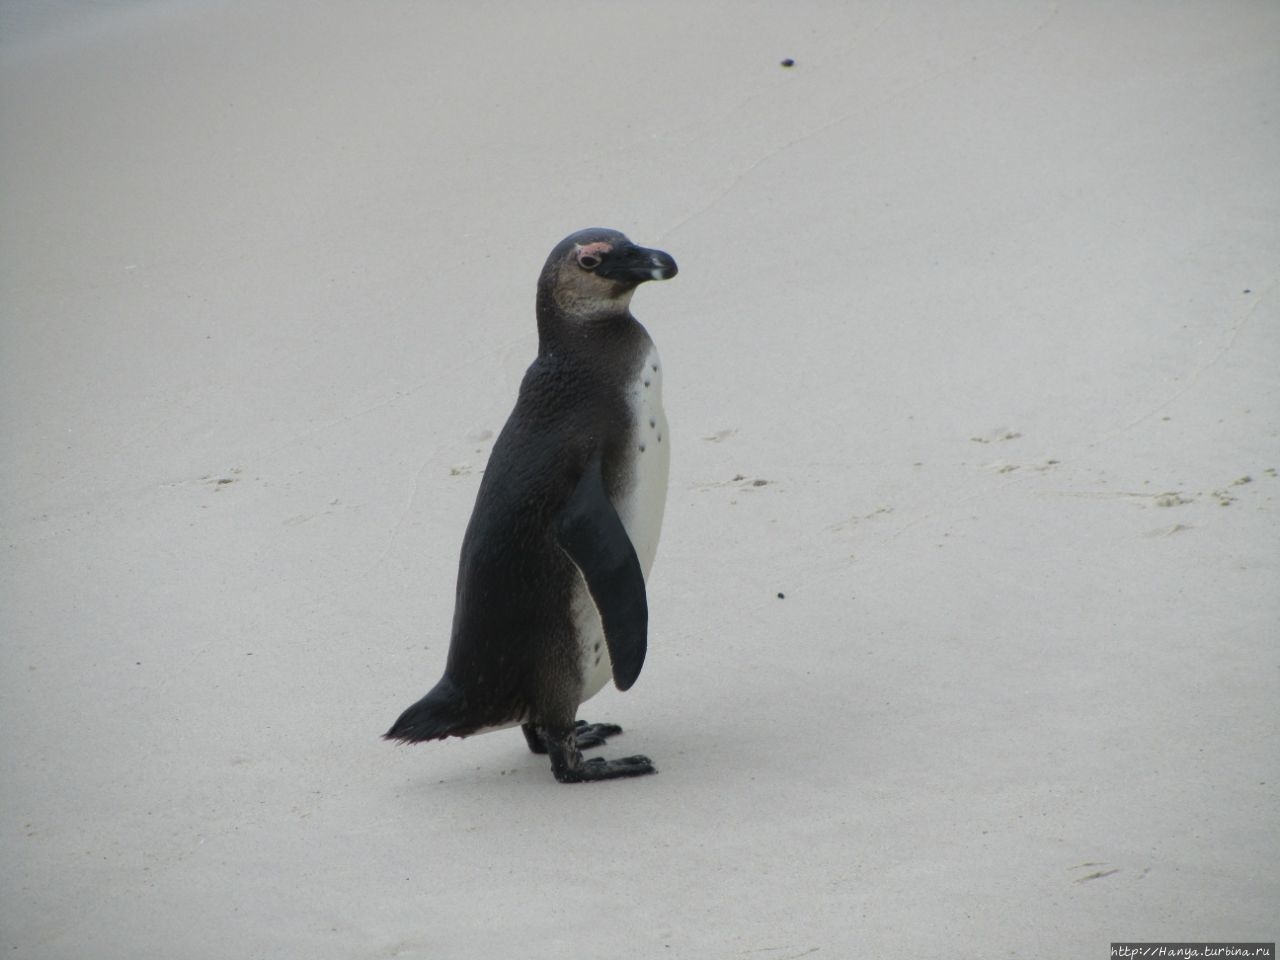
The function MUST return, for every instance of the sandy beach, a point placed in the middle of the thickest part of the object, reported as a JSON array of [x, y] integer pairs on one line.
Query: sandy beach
[[963, 626]]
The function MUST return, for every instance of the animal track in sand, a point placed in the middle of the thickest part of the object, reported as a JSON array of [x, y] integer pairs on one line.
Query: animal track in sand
[[217, 482], [998, 435], [1095, 874], [478, 435], [1003, 435], [719, 435], [1169, 531], [1223, 496], [1004, 466], [850, 522], [739, 480]]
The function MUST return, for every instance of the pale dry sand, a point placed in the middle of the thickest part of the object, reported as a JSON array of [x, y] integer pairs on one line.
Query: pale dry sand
[[986, 292]]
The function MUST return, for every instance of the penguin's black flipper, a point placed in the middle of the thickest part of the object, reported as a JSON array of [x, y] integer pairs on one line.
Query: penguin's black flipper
[[590, 531]]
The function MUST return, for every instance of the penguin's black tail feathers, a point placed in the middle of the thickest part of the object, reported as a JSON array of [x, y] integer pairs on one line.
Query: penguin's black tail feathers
[[441, 713]]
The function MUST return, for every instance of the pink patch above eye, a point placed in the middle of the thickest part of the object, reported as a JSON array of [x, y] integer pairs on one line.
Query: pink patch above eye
[[593, 252]]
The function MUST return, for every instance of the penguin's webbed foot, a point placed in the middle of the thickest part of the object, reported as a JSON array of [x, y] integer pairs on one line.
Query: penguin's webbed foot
[[569, 767], [586, 735], [598, 768]]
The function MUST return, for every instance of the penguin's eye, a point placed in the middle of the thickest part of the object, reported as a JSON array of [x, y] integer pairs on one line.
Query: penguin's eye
[[588, 261]]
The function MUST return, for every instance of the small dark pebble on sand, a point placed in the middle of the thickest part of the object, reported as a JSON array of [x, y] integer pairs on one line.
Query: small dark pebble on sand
[[788, 62], [781, 595]]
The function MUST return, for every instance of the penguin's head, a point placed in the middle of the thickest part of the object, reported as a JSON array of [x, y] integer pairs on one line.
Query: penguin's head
[[591, 274]]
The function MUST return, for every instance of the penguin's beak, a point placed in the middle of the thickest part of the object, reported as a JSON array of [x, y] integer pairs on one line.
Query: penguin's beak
[[632, 264]]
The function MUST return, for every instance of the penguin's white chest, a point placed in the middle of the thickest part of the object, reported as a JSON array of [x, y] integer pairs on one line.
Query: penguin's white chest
[[640, 504], [645, 497]]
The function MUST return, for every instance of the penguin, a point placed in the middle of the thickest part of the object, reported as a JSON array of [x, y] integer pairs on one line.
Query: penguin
[[550, 601]]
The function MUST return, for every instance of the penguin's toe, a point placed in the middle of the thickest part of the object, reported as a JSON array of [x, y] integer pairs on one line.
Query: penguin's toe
[[590, 735], [599, 768]]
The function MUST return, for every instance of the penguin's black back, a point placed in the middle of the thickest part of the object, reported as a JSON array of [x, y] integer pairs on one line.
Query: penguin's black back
[[513, 647]]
